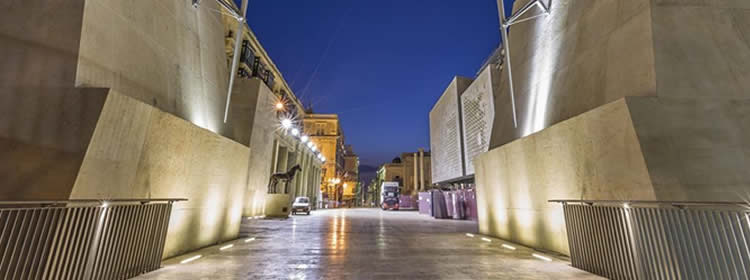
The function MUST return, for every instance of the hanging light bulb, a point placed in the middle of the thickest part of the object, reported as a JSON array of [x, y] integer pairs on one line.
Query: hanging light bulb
[[304, 138], [295, 131]]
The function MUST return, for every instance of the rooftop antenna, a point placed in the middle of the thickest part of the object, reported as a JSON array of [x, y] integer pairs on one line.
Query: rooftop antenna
[[505, 24]]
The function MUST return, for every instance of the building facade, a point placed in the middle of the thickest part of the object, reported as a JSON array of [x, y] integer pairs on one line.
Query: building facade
[[352, 186], [325, 133], [261, 94], [125, 100], [446, 129], [461, 123], [642, 107], [410, 170]]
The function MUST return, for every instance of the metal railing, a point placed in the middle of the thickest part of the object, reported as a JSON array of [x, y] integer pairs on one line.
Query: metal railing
[[82, 239], [659, 239]]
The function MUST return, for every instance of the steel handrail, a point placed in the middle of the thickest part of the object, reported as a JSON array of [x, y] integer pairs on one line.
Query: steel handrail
[[653, 202], [109, 201]]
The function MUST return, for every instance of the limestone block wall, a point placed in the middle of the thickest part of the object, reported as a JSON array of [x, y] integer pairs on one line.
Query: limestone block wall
[[39, 41], [138, 151], [124, 99], [595, 155], [44, 134], [165, 53], [445, 132], [695, 149], [585, 54], [621, 100], [702, 48], [38, 158], [478, 108], [253, 105]]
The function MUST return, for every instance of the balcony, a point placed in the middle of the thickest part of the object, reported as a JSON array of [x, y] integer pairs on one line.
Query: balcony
[[251, 66]]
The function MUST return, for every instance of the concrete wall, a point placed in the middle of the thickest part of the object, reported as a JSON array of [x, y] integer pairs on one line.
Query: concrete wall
[[620, 100], [478, 108], [138, 151], [445, 132]]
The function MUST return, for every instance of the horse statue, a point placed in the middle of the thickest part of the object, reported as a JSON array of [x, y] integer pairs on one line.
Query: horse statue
[[284, 177]]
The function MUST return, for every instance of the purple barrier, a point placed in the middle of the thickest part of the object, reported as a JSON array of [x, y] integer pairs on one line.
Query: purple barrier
[[450, 203], [406, 201], [439, 210], [470, 204], [459, 213], [425, 207]]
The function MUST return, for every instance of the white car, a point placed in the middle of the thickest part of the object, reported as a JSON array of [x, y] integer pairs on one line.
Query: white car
[[301, 204]]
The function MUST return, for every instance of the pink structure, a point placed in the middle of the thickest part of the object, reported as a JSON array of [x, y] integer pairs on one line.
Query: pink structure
[[425, 206], [407, 201]]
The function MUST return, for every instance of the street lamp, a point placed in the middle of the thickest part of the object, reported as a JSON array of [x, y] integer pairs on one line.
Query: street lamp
[[286, 123]]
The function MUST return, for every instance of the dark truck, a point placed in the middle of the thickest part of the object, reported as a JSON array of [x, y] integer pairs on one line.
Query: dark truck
[[389, 195]]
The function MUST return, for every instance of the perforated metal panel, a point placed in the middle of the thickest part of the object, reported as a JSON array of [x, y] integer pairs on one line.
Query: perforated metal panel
[[478, 109], [445, 133], [658, 242], [89, 242]]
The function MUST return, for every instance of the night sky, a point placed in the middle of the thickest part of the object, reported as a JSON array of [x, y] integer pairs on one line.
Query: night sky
[[379, 64]]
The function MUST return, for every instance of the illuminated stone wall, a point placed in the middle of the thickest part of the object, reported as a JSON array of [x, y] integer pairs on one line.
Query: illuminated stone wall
[[39, 157], [167, 54], [582, 56], [125, 99], [253, 105], [595, 155], [618, 100], [138, 151], [445, 133]]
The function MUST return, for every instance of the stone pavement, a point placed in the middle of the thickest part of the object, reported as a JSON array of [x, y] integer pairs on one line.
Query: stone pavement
[[364, 244]]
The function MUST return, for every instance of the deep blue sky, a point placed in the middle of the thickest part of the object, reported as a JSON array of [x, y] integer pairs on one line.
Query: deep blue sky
[[381, 64]]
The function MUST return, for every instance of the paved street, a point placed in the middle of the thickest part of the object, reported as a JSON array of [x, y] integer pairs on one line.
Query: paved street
[[364, 244]]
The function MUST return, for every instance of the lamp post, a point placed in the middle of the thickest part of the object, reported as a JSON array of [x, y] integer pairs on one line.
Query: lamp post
[[337, 195]]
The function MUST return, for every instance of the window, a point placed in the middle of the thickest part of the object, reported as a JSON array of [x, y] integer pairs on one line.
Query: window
[[320, 128]]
